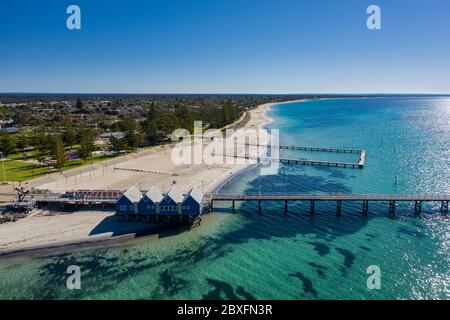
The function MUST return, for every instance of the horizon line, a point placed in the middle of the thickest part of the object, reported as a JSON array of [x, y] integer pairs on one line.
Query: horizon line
[[222, 93]]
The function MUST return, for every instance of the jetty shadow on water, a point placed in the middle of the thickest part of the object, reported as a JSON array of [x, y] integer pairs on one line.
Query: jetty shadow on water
[[296, 180], [118, 227], [273, 223]]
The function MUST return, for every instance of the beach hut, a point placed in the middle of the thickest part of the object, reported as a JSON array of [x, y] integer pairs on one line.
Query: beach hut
[[150, 201], [192, 203], [127, 203], [171, 202]]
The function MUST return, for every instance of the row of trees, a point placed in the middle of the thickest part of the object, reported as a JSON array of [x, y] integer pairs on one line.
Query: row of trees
[[159, 124], [50, 144]]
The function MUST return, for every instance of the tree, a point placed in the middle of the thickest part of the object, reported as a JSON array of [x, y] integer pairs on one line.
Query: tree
[[59, 154], [41, 143], [7, 144], [117, 144], [69, 136], [185, 118], [87, 145], [133, 136], [167, 123], [79, 104], [151, 131], [230, 112], [151, 128], [21, 141], [23, 118]]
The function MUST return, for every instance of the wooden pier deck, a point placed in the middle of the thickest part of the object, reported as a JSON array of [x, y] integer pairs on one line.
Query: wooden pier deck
[[324, 163], [316, 149], [356, 165], [418, 199], [312, 199], [305, 148]]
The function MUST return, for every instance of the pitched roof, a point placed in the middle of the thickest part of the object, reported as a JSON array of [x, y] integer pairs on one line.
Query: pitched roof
[[154, 194], [134, 194], [175, 194], [196, 194]]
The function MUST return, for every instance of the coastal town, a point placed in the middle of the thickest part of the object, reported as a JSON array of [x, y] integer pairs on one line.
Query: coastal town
[[199, 156], [63, 166]]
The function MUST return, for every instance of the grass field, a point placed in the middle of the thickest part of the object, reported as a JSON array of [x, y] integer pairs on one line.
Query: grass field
[[20, 170], [17, 170]]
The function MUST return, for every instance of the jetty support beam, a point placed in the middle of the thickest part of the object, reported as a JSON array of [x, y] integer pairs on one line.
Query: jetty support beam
[[444, 206], [417, 207], [312, 207], [285, 207], [259, 206], [338, 208], [365, 207], [392, 207]]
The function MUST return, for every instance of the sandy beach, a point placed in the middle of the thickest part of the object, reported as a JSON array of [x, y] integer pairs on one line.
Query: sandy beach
[[47, 229]]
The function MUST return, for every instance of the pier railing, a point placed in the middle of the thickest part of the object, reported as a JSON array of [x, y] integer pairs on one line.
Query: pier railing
[[338, 198], [273, 196], [328, 196], [353, 165], [312, 149]]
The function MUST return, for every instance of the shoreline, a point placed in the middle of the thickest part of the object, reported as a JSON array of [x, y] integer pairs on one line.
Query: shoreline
[[267, 120], [74, 230]]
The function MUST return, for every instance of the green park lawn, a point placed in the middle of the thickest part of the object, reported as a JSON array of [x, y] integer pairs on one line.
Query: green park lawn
[[17, 170]]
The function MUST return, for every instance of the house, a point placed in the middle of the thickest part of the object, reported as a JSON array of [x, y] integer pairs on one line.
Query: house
[[149, 204], [128, 202], [11, 130], [192, 203], [171, 202], [116, 134]]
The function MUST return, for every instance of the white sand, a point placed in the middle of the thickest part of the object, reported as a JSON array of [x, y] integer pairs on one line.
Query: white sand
[[45, 229]]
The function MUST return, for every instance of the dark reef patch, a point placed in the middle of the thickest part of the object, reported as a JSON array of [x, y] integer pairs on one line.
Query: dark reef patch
[[223, 290], [349, 259], [307, 285], [318, 268]]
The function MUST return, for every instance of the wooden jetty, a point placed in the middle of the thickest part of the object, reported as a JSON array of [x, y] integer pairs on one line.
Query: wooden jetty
[[316, 149], [305, 148], [357, 165], [210, 198], [324, 163], [444, 199]]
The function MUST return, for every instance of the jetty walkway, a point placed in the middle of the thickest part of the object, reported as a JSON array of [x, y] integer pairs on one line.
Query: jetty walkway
[[353, 165], [95, 198], [444, 199]]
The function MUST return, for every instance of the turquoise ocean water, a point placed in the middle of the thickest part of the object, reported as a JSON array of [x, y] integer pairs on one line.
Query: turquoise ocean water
[[239, 256]]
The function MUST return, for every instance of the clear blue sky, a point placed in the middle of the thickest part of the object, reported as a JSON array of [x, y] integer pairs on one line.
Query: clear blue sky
[[225, 46]]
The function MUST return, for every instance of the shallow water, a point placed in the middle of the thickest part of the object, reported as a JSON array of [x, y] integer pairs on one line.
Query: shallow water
[[244, 255]]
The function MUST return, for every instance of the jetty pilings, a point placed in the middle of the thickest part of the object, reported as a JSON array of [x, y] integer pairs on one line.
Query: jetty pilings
[[392, 200]]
